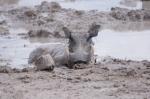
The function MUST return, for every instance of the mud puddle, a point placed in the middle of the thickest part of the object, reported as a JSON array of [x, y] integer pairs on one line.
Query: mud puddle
[[101, 5], [132, 45], [15, 50]]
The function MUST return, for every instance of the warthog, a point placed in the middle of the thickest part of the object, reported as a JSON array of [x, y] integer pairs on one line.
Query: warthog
[[78, 50]]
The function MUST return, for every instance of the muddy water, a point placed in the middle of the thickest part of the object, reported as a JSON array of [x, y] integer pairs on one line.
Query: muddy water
[[101, 5], [15, 50], [132, 45]]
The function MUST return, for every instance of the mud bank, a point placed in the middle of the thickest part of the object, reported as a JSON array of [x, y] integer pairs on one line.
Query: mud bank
[[52, 17], [112, 79], [130, 15]]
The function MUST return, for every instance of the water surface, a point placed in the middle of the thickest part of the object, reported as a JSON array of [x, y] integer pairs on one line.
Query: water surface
[[15, 50], [132, 45], [101, 5]]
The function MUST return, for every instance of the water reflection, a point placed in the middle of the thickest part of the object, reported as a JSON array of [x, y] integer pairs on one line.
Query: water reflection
[[46, 40], [131, 4], [146, 4], [124, 45], [8, 2], [17, 50], [129, 26], [101, 5]]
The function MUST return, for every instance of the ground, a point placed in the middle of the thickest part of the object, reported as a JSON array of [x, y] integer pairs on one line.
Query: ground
[[109, 80]]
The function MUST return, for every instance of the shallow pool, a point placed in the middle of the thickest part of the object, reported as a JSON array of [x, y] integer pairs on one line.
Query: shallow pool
[[15, 50], [132, 45], [101, 5]]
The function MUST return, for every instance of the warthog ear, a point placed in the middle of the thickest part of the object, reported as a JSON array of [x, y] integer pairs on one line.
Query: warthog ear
[[93, 30], [67, 32]]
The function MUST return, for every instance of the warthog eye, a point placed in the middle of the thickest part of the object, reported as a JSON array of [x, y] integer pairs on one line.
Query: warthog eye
[[70, 49], [89, 38]]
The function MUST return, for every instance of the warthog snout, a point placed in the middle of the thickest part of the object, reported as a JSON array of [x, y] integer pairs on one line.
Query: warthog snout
[[80, 57], [81, 45]]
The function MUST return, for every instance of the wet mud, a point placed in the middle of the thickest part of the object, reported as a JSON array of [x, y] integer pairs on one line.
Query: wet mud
[[112, 79]]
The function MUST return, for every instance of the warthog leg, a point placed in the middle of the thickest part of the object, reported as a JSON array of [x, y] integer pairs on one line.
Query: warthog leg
[[45, 62]]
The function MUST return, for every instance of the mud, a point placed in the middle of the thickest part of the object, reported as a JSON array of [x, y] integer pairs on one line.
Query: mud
[[130, 15], [113, 79], [52, 17], [107, 79]]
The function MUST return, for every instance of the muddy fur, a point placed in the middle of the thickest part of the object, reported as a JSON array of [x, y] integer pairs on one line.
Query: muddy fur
[[78, 50]]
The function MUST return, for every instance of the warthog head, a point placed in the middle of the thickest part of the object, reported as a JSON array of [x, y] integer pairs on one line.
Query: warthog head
[[81, 45]]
